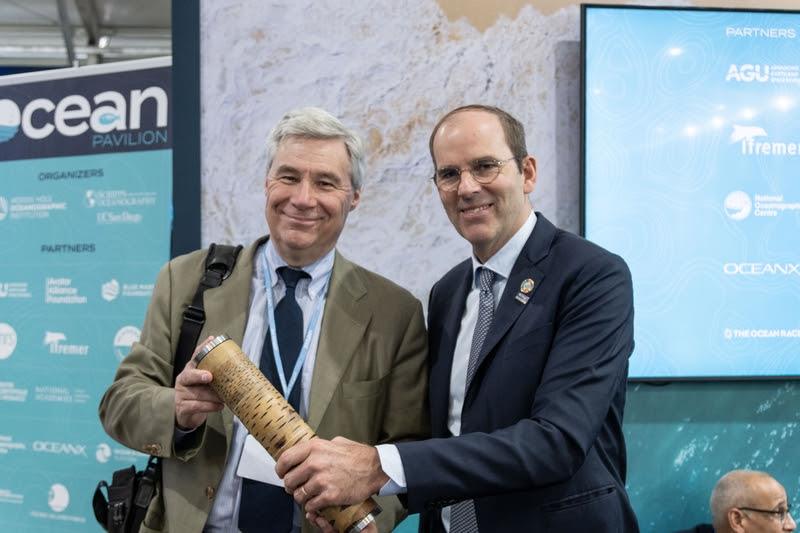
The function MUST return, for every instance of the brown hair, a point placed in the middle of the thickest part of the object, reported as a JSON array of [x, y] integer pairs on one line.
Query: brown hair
[[512, 128]]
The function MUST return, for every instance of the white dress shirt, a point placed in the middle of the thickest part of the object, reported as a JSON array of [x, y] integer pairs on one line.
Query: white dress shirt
[[224, 515], [501, 263]]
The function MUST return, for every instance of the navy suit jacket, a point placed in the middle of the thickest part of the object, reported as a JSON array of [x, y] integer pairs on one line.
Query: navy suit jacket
[[541, 445]]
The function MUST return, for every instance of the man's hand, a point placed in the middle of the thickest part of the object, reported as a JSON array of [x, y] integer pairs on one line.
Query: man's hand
[[194, 398], [325, 527], [320, 473]]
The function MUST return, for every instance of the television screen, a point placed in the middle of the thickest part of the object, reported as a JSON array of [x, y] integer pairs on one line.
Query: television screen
[[691, 172]]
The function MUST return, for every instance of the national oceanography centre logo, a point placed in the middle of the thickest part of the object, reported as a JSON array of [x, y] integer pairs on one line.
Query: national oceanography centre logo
[[738, 205], [10, 119]]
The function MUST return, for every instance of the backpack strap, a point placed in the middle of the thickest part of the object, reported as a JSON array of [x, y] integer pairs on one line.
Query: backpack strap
[[220, 261]]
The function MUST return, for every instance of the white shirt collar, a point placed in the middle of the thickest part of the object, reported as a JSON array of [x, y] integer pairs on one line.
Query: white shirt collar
[[503, 261], [319, 270]]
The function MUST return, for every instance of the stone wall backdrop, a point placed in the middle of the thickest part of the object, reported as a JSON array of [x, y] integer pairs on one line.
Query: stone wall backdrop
[[390, 69]]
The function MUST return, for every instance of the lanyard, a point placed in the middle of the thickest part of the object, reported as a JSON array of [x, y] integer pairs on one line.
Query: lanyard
[[312, 325]]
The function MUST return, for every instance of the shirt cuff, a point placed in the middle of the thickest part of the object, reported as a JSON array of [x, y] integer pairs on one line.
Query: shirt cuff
[[392, 466]]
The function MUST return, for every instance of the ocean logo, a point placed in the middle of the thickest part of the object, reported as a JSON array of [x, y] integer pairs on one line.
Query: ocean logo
[[741, 133], [106, 119], [738, 205], [124, 339], [3, 208], [103, 453], [9, 120], [58, 497], [8, 340], [110, 290]]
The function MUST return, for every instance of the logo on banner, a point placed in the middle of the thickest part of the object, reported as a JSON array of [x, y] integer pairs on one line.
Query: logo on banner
[[58, 497], [54, 339], [110, 290], [9, 120], [59, 448], [61, 291], [8, 340], [124, 339], [3, 208], [747, 73], [747, 137], [738, 205], [74, 115], [103, 453], [14, 289]]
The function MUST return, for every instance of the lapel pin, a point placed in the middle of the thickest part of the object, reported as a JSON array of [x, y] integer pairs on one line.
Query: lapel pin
[[524, 290], [527, 286]]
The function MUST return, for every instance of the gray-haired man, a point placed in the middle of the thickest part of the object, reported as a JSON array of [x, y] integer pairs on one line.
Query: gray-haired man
[[359, 356]]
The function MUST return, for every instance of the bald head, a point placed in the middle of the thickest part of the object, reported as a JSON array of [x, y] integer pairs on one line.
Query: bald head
[[747, 488]]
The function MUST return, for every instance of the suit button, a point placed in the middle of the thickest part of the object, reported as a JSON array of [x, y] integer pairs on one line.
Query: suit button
[[210, 492], [153, 449]]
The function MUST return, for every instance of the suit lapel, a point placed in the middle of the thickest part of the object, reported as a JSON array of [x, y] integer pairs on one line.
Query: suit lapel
[[344, 322], [508, 311], [451, 311]]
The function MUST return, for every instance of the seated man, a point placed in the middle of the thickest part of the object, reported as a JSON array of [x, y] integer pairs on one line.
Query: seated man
[[747, 501]]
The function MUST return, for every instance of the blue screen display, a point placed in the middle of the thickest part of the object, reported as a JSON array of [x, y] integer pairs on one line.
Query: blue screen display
[[692, 175]]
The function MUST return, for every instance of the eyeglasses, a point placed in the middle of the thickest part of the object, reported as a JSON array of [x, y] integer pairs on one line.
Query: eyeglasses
[[482, 170], [780, 514]]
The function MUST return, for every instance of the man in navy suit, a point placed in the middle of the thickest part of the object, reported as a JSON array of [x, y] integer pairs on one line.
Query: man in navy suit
[[529, 343]]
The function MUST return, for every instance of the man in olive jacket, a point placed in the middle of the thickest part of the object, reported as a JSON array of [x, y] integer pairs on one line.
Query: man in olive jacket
[[364, 375]]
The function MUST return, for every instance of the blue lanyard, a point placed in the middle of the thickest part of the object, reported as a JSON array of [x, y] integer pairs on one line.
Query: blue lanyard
[[312, 325]]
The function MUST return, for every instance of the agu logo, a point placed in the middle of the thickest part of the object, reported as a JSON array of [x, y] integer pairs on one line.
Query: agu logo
[[9, 120], [58, 497], [8, 340], [738, 205], [124, 339]]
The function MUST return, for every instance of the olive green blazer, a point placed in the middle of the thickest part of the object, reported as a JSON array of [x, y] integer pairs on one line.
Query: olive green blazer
[[369, 382]]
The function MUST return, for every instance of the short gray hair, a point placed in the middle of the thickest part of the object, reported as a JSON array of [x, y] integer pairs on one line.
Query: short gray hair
[[731, 491], [316, 123]]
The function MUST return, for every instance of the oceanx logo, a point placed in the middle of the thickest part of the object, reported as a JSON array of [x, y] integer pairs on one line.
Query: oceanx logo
[[74, 114], [747, 137], [59, 448], [761, 269]]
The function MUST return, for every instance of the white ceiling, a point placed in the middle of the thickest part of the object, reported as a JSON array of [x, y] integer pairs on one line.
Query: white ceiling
[[32, 32]]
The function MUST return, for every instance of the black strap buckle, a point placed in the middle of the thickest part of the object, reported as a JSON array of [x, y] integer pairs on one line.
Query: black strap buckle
[[194, 314]]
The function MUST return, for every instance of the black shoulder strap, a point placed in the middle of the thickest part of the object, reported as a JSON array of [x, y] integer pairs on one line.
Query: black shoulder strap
[[219, 264]]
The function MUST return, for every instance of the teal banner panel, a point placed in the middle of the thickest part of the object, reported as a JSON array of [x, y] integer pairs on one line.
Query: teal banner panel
[[85, 224]]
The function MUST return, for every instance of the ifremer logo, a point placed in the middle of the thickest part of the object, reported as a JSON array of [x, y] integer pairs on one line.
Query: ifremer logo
[[8, 340], [738, 205], [10, 119]]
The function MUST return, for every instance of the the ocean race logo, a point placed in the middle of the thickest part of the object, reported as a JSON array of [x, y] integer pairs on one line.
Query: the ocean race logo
[[113, 118]]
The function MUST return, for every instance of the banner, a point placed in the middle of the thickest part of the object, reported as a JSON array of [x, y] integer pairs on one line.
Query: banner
[[85, 223]]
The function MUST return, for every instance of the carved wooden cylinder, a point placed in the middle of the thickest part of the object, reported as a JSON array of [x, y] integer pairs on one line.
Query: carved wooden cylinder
[[268, 417]]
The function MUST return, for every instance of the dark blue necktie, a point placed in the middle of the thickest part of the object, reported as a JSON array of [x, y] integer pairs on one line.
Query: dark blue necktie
[[266, 508]]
